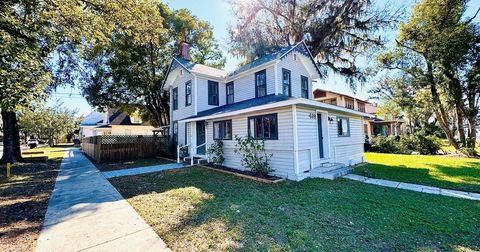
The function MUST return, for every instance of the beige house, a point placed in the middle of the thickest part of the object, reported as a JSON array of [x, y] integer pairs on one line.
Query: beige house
[[113, 122], [372, 126]]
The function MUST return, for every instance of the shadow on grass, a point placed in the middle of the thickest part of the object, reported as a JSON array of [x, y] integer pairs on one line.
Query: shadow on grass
[[465, 177], [204, 210], [23, 202]]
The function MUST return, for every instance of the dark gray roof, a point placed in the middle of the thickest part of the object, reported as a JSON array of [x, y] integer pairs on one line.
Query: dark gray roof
[[269, 99], [262, 60]]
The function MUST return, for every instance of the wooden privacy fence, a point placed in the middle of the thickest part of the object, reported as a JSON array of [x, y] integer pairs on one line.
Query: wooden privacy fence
[[116, 148]]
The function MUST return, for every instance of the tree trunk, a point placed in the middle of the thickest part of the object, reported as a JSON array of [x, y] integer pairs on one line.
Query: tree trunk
[[11, 138], [440, 112]]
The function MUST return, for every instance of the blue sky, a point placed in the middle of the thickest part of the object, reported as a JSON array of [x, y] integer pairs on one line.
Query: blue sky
[[218, 13]]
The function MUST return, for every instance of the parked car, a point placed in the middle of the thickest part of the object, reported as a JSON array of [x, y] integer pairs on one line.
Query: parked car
[[76, 142], [32, 142]]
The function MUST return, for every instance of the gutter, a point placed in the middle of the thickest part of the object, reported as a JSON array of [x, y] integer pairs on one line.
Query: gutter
[[297, 101]]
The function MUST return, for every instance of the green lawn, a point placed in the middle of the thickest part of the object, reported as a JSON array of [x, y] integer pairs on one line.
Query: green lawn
[[203, 210], [441, 171], [56, 152]]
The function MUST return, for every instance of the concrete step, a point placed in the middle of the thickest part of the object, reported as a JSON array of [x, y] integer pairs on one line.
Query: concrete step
[[331, 174], [196, 160]]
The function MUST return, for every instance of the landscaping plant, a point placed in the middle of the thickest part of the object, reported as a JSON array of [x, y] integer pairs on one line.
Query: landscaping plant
[[216, 150], [253, 154]]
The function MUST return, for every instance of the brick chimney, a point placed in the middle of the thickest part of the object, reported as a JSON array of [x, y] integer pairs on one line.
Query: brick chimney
[[185, 50]]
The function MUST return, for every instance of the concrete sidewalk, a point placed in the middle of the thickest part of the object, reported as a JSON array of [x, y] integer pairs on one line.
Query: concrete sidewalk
[[415, 187], [141, 170], [86, 213]]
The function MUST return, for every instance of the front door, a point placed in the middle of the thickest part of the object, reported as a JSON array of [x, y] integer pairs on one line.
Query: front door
[[320, 135], [201, 137]]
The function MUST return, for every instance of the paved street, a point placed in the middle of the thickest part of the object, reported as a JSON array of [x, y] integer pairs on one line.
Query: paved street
[[86, 212]]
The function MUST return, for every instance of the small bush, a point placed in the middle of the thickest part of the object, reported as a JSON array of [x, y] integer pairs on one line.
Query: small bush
[[253, 154], [407, 144], [216, 150], [384, 144]]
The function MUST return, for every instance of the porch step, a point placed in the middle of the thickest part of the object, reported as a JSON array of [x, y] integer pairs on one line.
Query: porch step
[[196, 160], [332, 172]]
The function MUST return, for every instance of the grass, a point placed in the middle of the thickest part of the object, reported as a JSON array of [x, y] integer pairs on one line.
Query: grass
[[49, 152], [441, 171], [110, 166], [24, 200], [202, 210]]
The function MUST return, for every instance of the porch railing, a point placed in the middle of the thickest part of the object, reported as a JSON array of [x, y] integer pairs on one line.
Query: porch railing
[[193, 150]]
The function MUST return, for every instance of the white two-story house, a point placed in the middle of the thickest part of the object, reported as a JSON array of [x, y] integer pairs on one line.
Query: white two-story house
[[271, 99]]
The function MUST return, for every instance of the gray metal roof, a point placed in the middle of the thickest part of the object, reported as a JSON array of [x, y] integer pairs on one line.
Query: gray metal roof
[[269, 99]]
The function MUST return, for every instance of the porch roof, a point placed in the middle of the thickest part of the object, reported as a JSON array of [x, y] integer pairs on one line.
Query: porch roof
[[266, 102]]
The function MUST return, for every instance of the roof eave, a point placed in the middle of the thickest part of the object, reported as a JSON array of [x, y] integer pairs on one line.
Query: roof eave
[[297, 101]]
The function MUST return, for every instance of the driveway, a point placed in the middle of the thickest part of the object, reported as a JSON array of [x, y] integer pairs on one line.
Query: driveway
[[86, 212]]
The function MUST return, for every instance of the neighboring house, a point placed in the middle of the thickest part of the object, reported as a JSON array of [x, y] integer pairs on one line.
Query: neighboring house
[[373, 126], [113, 122], [269, 99]]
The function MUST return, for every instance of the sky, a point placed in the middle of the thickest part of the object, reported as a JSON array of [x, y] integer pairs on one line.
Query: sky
[[219, 14]]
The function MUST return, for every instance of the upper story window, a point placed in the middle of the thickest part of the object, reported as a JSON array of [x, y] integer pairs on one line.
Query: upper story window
[[286, 82], [175, 98], [343, 125], [188, 93], [348, 103], [263, 127], [213, 93], [260, 83], [222, 130], [230, 92], [361, 106], [304, 81]]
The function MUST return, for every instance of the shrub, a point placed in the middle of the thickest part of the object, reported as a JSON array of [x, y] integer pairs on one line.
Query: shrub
[[253, 154], [384, 144], [418, 142], [216, 150]]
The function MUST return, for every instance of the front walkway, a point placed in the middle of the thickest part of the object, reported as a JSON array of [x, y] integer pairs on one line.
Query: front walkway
[[141, 170], [415, 187], [86, 213]]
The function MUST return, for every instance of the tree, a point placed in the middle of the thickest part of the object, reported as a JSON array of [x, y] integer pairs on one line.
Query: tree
[[50, 123], [130, 75], [336, 32], [40, 41], [438, 49]]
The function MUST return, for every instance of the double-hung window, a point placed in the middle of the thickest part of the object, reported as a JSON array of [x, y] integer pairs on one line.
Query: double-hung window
[[263, 127], [175, 98], [348, 103], [213, 93], [222, 130], [230, 92], [304, 81], [188, 93], [343, 125], [260, 83], [286, 82]]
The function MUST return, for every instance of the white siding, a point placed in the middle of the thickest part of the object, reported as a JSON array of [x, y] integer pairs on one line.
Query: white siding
[[182, 111], [202, 94], [244, 86], [346, 150], [297, 69], [282, 149]]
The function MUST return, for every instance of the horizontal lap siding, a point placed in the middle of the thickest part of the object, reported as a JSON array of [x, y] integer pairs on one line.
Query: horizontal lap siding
[[347, 150], [182, 111], [282, 149], [297, 69], [307, 139], [202, 94], [244, 87]]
